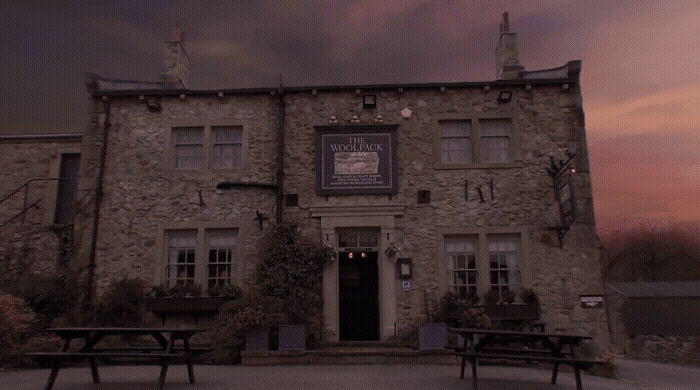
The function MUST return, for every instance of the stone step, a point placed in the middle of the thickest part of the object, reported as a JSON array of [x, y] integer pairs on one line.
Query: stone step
[[350, 353]]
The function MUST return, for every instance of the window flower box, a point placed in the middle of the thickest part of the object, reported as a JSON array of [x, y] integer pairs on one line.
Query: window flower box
[[513, 312], [185, 304]]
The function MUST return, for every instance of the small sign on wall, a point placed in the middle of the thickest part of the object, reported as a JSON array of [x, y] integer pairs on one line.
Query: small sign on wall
[[591, 301], [406, 286]]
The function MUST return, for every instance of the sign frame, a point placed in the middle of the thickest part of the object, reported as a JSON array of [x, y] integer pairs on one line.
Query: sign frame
[[361, 152]]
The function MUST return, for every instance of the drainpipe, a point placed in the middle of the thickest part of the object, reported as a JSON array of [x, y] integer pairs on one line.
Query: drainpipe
[[98, 202], [280, 152]]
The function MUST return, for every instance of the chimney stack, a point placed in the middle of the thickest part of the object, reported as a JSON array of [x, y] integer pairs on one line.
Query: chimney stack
[[507, 53], [176, 63]]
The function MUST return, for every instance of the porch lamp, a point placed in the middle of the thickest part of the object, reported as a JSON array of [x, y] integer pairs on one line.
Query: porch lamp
[[505, 96], [404, 267]]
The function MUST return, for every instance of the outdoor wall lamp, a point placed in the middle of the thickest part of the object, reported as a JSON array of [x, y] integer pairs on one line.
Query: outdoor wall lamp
[[404, 267], [369, 101], [505, 96]]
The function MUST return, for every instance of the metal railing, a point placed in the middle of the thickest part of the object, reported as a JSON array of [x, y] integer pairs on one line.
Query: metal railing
[[25, 203]]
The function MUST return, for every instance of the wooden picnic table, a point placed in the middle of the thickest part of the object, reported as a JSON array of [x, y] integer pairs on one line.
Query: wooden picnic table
[[164, 351], [489, 344]]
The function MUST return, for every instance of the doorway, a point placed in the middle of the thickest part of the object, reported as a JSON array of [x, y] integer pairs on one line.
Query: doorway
[[358, 277]]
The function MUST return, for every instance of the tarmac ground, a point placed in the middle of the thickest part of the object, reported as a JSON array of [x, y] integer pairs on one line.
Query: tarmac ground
[[630, 375]]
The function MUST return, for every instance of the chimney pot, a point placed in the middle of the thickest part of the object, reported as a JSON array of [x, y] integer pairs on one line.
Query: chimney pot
[[505, 26], [507, 53]]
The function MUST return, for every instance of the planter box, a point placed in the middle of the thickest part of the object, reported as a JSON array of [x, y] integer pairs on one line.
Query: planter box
[[513, 312], [432, 336], [190, 304], [258, 340], [292, 337]]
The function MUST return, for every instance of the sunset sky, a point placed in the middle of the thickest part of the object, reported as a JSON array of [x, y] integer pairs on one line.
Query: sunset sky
[[640, 77]]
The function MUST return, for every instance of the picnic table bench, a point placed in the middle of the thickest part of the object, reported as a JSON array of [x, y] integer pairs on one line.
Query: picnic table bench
[[164, 352], [507, 345]]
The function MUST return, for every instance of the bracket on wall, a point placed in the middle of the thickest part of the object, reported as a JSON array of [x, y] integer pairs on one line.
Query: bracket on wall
[[260, 217]]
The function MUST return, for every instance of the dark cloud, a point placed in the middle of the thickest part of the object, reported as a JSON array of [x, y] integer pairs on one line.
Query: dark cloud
[[639, 78]]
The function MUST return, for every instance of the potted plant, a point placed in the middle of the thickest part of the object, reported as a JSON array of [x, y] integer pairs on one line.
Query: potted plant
[[245, 324]]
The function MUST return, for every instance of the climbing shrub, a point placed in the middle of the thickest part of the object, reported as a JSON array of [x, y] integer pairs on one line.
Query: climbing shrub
[[291, 270]]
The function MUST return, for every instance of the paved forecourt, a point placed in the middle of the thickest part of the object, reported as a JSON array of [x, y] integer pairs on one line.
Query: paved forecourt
[[634, 375]]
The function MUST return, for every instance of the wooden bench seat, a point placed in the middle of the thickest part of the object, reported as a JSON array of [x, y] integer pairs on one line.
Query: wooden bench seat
[[101, 354], [528, 356], [153, 348]]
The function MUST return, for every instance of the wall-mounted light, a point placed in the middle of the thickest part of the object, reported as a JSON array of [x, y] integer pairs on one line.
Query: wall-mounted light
[[153, 104], [505, 96], [369, 101], [404, 267]]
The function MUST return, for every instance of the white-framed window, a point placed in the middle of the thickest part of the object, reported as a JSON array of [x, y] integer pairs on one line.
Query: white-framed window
[[181, 259], [189, 147], [478, 263], [504, 272], [215, 147], [227, 147], [202, 257], [221, 252], [476, 141], [495, 140], [455, 141], [461, 256]]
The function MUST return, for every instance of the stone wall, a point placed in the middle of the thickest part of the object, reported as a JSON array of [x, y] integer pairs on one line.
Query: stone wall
[[143, 195], [666, 349], [549, 121], [30, 242]]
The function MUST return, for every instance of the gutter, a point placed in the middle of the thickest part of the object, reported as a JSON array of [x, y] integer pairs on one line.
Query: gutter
[[280, 153], [99, 193]]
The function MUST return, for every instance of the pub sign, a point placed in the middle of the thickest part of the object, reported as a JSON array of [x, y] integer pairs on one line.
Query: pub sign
[[356, 159]]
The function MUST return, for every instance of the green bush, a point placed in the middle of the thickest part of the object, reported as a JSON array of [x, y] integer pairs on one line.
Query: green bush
[[48, 296], [123, 304], [292, 271], [16, 319]]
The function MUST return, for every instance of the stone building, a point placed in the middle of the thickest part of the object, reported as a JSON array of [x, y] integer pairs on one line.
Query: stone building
[[38, 189], [421, 189]]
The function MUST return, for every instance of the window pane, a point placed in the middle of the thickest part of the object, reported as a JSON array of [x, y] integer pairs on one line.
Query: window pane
[[455, 144], [221, 247], [495, 140], [180, 265], [189, 150], [227, 147], [461, 264], [504, 259]]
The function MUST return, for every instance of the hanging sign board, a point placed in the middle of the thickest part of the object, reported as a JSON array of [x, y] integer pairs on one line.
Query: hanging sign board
[[567, 199], [356, 159]]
